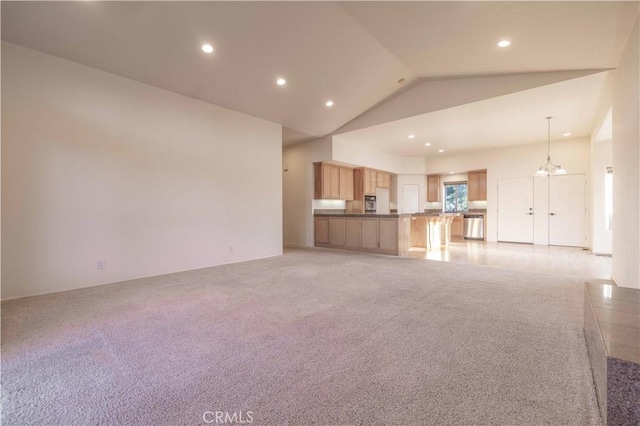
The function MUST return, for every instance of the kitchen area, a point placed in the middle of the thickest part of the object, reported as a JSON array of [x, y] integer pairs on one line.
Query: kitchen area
[[357, 208]]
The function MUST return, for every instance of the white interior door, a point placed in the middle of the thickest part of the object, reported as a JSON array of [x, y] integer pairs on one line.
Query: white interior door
[[515, 210], [567, 210], [541, 210], [410, 198]]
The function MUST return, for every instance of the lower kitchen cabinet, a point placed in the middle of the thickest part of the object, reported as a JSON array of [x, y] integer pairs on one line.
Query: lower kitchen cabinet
[[368, 234], [336, 231], [388, 234], [419, 231], [321, 230], [457, 226], [353, 232]]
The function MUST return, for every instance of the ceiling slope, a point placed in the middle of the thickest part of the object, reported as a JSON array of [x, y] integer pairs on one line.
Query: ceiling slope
[[512, 119], [430, 96]]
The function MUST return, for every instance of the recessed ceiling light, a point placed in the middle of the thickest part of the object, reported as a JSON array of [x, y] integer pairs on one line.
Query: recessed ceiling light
[[281, 81], [504, 43], [427, 144], [207, 48], [412, 136], [329, 103], [441, 150], [566, 134], [452, 173]]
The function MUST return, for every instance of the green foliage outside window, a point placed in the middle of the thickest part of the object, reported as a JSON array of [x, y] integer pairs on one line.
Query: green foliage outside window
[[455, 197]]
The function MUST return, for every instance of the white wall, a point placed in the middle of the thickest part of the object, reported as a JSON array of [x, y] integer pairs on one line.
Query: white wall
[[626, 166], [601, 158], [361, 155], [95, 166], [298, 185], [512, 162]]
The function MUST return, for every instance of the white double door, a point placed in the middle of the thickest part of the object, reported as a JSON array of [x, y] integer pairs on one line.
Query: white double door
[[549, 210]]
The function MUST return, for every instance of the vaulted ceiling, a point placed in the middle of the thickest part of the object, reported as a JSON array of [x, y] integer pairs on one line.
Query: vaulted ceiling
[[353, 53]]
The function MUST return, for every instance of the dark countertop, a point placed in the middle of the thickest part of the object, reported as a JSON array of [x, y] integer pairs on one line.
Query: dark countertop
[[433, 214], [373, 216]]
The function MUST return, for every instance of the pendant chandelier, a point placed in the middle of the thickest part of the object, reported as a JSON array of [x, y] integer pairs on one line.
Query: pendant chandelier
[[549, 168]]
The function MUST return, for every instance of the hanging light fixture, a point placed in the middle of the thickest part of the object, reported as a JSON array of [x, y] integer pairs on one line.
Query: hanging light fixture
[[549, 168]]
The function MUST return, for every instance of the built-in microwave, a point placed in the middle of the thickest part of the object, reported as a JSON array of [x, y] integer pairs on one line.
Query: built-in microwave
[[369, 204]]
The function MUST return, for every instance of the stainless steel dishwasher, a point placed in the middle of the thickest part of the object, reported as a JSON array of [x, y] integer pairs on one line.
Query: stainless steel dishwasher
[[474, 227]]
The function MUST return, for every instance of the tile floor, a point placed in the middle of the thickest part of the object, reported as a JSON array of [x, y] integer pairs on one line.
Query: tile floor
[[526, 257]]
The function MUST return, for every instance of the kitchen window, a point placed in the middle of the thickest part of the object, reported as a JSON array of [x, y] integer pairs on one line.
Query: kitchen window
[[455, 197]]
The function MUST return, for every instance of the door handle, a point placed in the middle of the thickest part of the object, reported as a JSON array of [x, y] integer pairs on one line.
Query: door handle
[[530, 213]]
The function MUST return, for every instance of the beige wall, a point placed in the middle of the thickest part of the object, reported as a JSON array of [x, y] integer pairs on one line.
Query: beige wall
[[513, 162], [298, 181], [601, 158], [349, 152], [98, 167], [626, 166]]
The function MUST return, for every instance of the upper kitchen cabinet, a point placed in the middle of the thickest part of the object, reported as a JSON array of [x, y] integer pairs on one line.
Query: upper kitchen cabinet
[[433, 188], [370, 181], [383, 180], [477, 185], [375, 179], [332, 182], [346, 183]]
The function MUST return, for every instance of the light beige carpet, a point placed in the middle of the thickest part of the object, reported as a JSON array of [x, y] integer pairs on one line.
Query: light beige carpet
[[312, 337]]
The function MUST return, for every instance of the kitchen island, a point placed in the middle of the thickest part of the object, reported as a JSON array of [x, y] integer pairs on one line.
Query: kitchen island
[[431, 229], [371, 233]]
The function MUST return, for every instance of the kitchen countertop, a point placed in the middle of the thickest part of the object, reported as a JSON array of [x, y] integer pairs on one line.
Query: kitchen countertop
[[373, 216], [341, 213]]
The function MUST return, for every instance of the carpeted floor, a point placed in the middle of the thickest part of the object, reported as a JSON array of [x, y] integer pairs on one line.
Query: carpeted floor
[[312, 337]]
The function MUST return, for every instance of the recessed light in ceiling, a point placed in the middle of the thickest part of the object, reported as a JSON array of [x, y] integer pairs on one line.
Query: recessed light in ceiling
[[207, 48], [281, 82], [412, 136], [441, 150], [452, 173], [329, 103], [427, 144], [504, 43], [566, 134]]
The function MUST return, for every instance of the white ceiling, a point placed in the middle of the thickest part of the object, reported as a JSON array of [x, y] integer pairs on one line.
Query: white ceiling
[[352, 52], [513, 119]]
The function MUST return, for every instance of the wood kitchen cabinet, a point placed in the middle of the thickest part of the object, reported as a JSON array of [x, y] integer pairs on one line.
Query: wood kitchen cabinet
[[383, 180], [346, 183], [457, 226], [353, 232], [477, 185], [376, 179], [370, 181], [337, 231], [387, 235], [321, 230], [332, 182], [365, 182], [370, 233], [419, 231], [433, 188]]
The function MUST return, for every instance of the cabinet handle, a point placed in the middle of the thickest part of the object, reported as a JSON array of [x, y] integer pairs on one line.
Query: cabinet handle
[[552, 214], [530, 213]]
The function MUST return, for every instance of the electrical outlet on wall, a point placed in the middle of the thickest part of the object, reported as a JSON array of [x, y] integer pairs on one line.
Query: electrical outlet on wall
[[100, 264]]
